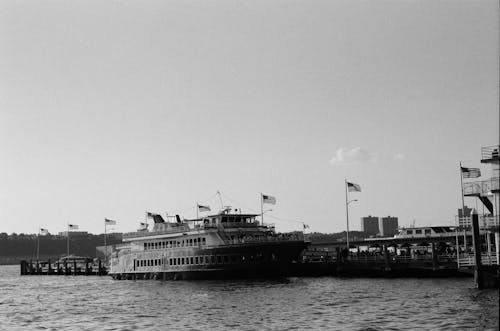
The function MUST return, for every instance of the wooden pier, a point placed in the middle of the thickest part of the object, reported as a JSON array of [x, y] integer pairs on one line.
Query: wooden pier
[[75, 266]]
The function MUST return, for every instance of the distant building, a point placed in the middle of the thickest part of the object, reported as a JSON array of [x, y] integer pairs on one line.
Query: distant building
[[115, 235], [74, 234], [388, 226], [369, 225]]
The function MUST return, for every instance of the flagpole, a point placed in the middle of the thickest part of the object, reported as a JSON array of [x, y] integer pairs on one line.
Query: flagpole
[[197, 209], [462, 187], [347, 214], [67, 243], [261, 209], [105, 246], [38, 245]]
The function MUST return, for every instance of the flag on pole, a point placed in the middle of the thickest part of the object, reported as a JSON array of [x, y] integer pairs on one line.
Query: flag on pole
[[203, 208], [470, 172], [44, 231], [351, 187], [268, 199], [305, 226], [72, 226], [109, 222]]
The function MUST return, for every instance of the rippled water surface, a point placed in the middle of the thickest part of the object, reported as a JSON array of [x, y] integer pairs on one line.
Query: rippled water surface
[[326, 303]]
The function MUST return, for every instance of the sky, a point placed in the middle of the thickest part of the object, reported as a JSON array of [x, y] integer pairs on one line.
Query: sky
[[109, 109]]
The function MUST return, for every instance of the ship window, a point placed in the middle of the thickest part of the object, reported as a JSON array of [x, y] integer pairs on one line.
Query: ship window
[[212, 258], [219, 259], [187, 260], [182, 261], [226, 259], [207, 259], [418, 231], [427, 231], [191, 259], [204, 241], [145, 246], [190, 242], [409, 231], [196, 260]]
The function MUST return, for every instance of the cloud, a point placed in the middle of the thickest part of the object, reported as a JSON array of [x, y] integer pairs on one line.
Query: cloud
[[398, 157], [352, 156]]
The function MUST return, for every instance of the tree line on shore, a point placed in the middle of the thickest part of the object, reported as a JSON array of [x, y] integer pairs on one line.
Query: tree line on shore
[[15, 247]]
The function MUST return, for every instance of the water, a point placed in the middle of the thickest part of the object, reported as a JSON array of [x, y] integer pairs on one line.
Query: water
[[326, 303]]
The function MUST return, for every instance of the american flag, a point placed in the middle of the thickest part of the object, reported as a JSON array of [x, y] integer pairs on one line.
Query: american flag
[[268, 199], [470, 172], [203, 208], [72, 226], [351, 187], [109, 222]]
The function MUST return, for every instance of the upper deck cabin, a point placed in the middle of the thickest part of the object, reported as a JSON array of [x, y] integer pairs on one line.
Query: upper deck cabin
[[224, 220]]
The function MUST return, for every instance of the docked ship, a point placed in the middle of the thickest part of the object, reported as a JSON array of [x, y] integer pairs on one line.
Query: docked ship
[[225, 245]]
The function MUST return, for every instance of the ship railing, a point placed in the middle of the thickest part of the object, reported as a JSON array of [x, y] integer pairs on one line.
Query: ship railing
[[264, 239], [149, 234], [230, 225], [240, 224], [481, 187], [490, 152]]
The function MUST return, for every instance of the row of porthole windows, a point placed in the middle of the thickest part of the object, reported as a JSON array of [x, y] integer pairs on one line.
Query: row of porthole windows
[[175, 243], [200, 260]]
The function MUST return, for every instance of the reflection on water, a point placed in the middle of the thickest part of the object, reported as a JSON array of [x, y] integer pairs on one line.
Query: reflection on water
[[326, 303]]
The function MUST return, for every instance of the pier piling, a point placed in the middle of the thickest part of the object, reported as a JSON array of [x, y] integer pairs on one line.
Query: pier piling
[[476, 245]]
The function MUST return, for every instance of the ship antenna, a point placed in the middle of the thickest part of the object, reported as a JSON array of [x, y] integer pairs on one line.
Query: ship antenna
[[220, 198]]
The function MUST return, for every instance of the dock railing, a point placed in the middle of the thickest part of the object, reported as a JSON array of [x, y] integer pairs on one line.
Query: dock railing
[[485, 222], [401, 258], [469, 260]]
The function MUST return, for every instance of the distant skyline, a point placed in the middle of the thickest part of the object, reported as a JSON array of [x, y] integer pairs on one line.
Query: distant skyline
[[111, 109]]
